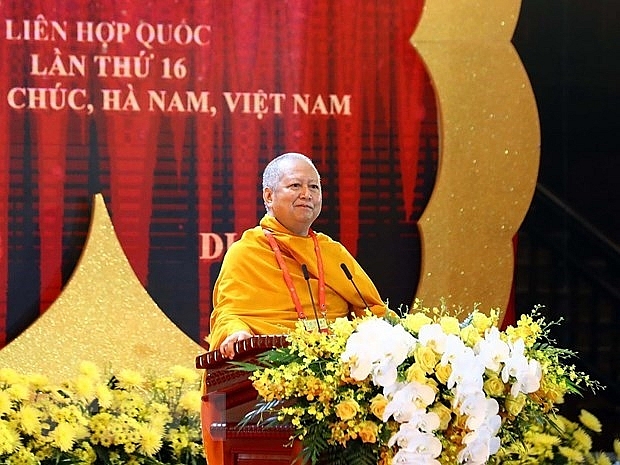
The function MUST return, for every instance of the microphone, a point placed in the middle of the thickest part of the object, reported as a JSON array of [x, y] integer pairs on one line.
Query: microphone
[[304, 270], [350, 278]]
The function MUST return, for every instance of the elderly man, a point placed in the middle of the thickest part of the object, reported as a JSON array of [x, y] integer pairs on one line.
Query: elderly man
[[262, 287]]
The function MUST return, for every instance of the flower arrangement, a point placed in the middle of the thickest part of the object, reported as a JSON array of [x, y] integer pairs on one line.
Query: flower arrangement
[[422, 388], [121, 418]]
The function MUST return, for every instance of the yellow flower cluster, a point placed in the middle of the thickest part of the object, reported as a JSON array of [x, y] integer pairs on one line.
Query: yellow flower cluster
[[562, 441], [96, 419]]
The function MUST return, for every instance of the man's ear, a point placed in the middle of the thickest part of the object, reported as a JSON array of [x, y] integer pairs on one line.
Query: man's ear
[[267, 196]]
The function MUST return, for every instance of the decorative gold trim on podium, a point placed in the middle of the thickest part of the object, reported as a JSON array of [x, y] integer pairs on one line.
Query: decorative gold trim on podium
[[489, 139], [103, 315]]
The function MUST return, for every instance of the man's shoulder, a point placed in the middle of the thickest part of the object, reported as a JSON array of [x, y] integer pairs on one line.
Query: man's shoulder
[[322, 237], [333, 247], [250, 238]]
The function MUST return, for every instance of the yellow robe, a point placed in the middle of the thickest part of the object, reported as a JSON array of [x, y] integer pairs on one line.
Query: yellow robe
[[250, 293]]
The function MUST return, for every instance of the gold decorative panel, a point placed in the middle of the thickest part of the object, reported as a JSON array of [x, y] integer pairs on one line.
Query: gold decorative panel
[[489, 140], [103, 315]]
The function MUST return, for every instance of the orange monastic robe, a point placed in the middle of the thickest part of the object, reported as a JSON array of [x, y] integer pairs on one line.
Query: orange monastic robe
[[250, 293]]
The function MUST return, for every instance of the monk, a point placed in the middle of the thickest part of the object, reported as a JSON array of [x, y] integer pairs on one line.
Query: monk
[[262, 287]]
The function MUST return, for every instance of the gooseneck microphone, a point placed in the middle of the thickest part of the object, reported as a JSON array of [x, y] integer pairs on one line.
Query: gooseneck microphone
[[304, 270], [350, 278]]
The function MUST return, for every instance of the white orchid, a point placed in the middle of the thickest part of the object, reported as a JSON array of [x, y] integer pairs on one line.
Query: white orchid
[[416, 447], [432, 335], [492, 350], [481, 443], [526, 372], [478, 409], [377, 348], [406, 400], [453, 348]]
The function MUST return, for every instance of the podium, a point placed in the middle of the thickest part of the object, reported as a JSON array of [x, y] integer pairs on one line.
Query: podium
[[227, 395]]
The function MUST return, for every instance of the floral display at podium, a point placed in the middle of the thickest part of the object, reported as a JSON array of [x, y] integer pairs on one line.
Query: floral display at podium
[[423, 388]]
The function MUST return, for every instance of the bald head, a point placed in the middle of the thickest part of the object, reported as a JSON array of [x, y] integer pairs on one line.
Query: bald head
[[278, 166]]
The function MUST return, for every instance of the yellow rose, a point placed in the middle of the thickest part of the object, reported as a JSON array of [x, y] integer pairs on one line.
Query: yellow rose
[[426, 358], [494, 386], [470, 335], [347, 409], [368, 431], [450, 325], [481, 322], [443, 372], [416, 373], [444, 413], [414, 321], [551, 392], [514, 405], [377, 405]]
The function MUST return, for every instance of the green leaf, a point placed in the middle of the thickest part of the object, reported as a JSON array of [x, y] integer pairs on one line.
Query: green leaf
[[263, 413]]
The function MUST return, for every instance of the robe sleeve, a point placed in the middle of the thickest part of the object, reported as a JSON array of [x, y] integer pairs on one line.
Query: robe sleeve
[[228, 287]]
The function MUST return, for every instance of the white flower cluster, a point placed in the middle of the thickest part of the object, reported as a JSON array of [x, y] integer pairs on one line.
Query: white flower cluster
[[378, 348]]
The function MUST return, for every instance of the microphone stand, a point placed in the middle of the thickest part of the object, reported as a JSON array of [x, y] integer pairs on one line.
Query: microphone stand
[[350, 278], [304, 270]]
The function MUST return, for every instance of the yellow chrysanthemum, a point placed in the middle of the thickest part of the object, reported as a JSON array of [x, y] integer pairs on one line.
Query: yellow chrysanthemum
[[38, 381], [9, 438], [28, 418], [129, 379], [104, 395], [185, 374], [582, 439], [23, 456], [151, 439], [9, 375], [19, 391], [63, 436], [5, 402], [571, 454], [84, 386], [590, 421], [90, 370], [543, 440], [602, 459], [191, 401]]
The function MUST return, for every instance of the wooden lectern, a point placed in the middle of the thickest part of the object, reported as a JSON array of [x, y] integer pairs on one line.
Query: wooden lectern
[[227, 395]]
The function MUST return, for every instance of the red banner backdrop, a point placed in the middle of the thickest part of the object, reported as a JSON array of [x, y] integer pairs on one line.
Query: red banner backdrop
[[171, 110]]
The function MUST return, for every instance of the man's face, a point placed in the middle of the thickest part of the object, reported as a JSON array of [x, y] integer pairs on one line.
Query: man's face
[[296, 201]]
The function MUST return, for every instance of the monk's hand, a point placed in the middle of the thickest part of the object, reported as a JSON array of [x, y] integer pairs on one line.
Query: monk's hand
[[227, 348]]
